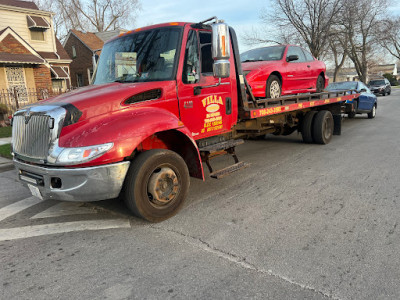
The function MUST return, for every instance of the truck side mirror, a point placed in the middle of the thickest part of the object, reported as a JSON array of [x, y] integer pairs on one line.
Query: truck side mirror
[[221, 50]]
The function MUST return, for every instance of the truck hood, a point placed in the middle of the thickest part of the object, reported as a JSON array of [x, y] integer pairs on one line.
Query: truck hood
[[96, 100]]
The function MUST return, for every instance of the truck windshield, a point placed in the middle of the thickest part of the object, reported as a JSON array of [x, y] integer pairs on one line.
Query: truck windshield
[[144, 56], [266, 53]]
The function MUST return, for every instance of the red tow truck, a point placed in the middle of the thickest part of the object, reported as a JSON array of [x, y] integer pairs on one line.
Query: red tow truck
[[165, 99]]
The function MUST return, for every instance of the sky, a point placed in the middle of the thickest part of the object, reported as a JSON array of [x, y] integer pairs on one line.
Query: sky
[[241, 15]]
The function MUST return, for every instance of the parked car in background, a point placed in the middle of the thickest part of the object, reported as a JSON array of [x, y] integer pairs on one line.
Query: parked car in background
[[380, 86], [283, 70], [367, 102]]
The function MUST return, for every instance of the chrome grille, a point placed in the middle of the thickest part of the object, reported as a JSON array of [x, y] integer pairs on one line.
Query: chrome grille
[[31, 139]]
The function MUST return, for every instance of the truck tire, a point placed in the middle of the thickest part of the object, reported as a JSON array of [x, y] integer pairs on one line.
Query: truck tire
[[323, 127], [351, 114], [274, 87], [372, 113], [306, 127], [320, 84], [156, 185]]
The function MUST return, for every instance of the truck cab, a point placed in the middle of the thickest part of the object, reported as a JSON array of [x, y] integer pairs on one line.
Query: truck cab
[[154, 89]]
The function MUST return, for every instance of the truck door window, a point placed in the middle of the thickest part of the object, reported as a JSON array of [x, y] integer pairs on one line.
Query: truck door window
[[191, 67], [205, 50], [296, 51]]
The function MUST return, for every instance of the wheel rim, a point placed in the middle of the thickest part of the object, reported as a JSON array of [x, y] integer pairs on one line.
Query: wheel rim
[[327, 129], [275, 89], [163, 187]]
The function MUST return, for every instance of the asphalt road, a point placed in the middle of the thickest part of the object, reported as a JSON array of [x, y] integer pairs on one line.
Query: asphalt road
[[303, 222]]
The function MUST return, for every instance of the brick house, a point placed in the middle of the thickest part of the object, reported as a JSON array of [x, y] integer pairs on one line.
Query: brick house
[[82, 47], [32, 59]]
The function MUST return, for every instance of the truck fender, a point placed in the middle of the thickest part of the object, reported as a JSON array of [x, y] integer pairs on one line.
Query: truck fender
[[131, 130]]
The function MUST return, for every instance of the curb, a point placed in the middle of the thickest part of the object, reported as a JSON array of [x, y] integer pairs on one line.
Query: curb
[[6, 166]]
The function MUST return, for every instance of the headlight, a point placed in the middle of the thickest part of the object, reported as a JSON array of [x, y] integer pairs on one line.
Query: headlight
[[73, 156]]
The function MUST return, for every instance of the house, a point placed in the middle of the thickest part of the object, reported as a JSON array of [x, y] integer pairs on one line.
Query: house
[[82, 47], [32, 59], [375, 71]]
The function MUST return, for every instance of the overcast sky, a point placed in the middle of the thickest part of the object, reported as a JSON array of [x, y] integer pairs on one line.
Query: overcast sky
[[241, 15]]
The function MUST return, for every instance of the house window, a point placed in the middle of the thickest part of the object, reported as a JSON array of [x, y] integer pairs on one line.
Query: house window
[[79, 80], [37, 35], [73, 52]]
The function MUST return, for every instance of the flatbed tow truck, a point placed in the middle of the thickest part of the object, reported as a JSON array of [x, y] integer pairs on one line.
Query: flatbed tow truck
[[166, 99]]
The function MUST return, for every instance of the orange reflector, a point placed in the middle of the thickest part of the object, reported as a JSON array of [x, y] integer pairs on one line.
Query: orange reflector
[[223, 46], [138, 29], [86, 153], [174, 24], [180, 123]]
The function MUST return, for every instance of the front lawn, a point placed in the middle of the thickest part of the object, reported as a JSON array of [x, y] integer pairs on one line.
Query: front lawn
[[5, 151], [5, 131]]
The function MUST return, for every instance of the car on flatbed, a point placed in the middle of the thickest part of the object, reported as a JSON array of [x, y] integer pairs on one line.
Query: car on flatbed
[[283, 70]]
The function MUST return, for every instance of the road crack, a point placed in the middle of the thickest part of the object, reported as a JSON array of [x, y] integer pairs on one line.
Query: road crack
[[238, 260]]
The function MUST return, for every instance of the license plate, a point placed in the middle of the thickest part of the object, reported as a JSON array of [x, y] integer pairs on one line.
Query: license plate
[[35, 191]]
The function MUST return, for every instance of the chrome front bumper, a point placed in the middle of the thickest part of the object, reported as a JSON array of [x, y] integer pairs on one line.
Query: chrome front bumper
[[80, 184]]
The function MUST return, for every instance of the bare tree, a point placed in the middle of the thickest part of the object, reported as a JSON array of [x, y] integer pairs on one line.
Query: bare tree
[[91, 15], [388, 35], [360, 19], [337, 51], [306, 22]]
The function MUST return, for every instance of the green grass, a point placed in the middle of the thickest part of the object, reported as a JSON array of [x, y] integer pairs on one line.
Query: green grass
[[5, 132], [5, 151]]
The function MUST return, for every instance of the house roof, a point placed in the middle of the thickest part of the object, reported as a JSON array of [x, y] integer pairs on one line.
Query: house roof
[[27, 54], [61, 51], [20, 58], [18, 3], [89, 39], [62, 54]]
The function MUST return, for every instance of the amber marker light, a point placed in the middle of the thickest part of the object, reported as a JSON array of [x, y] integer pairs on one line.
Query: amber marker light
[[174, 23]]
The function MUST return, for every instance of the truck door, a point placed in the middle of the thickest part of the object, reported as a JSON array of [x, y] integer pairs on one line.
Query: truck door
[[209, 111]]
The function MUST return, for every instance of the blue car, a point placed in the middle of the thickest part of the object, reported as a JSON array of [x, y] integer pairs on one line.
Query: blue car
[[366, 103]]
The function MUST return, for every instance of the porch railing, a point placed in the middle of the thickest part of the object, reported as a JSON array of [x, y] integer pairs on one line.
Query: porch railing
[[14, 99]]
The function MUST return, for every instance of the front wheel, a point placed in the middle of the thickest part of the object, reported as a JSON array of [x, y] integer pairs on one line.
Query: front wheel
[[274, 87], [372, 113], [156, 185]]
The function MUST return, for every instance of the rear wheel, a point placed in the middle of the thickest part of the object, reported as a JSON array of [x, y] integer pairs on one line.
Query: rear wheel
[[156, 185], [320, 84], [372, 113], [323, 127], [306, 127], [274, 87], [351, 115]]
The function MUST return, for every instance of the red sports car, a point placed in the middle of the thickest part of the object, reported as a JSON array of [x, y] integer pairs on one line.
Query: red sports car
[[283, 70]]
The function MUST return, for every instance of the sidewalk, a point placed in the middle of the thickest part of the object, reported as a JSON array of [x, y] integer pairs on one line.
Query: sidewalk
[[5, 164], [4, 141]]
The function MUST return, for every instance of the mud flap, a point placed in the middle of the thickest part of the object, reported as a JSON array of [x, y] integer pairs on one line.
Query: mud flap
[[337, 124]]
